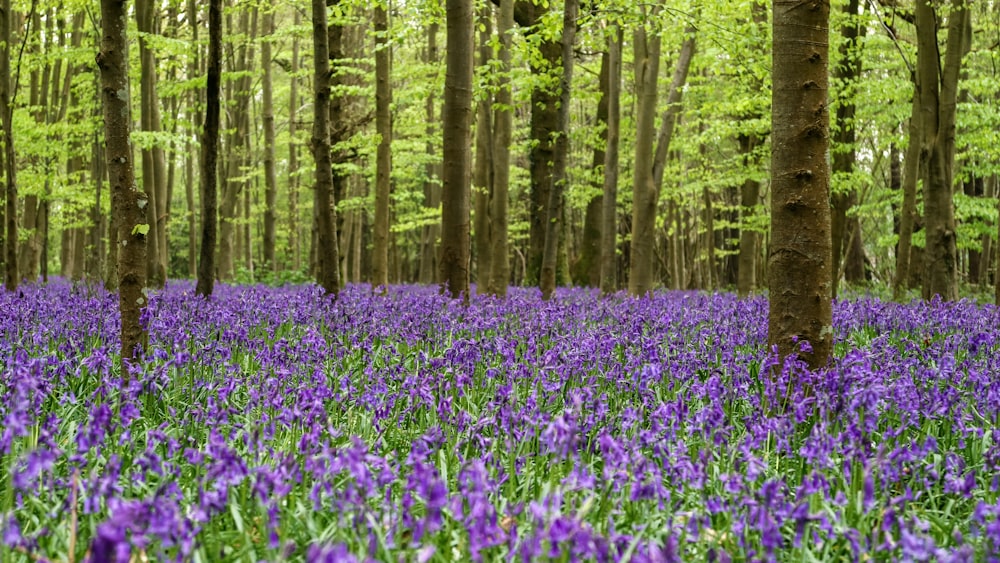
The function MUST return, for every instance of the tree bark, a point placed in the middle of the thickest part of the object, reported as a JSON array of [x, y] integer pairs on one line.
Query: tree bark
[[383, 125], [907, 215], [482, 175], [937, 82], [499, 271], [294, 244], [128, 203], [587, 270], [609, 210], [432, 196], [9, 245], [799, 263], [846, 231], [210, 152], [647, 71], [456, 118], [270, 174], [554, 224], [327, 253], [154, 179]]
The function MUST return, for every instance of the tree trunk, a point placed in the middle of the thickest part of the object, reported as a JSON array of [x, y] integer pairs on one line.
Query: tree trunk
[[482, 175], [239, 100], [499, 270], [456, 122], [10, 159], [154, 179], [327, 253], [210, 152], [588, 267], [294, 244], [937, 82], [383, 125], [128, 203], [845, 231], [554, 224], [270, 175], [432, 197], [647, 70], [799, 263], [544, 125], [609, 211], [749, 198]]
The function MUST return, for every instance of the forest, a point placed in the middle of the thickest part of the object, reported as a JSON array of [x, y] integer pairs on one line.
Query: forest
[[499, 280], [679, 92]]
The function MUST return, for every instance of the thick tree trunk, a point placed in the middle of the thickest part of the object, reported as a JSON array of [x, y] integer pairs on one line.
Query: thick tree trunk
[[609, 210], [327, 253], [799, 264], [482, 174], [210, 152], [554, 224], [499, 270], [647, 70], [457, 118], [937, 82], [432, 196], [270, 174], [544, 125], [128, 203], [9, 222], [383, 125]]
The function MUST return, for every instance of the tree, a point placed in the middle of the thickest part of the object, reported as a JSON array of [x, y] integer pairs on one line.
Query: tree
[[270, 174], [210, 152], [937, 84], [647, 72], [609, 211], [154, 171], [554, 223], [457, 121], [432, 190], [383, 125], [801, 254], [9, 222], [327, 253], [482, 173], [128, 203], [499, 271]]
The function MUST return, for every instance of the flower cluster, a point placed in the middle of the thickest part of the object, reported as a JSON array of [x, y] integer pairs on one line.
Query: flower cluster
[[277, 424]]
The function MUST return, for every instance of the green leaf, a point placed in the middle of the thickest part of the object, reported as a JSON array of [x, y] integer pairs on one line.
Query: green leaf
[[140, 229]]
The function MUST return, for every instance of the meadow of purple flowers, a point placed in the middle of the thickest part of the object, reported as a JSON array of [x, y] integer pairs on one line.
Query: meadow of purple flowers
[[274, 424]]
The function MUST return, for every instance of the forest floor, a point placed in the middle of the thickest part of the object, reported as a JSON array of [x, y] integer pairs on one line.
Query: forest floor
[[275, 424]]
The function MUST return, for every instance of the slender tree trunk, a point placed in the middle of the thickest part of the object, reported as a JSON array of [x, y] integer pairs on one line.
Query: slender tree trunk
[[327, 253], [270, 175], [937, 82], [128, 203], [210, 152], [456, 140], [153, 160], [846, 231], [609, 211], [499, 271], [482, 175], [554, 225], [749, 198], [432, 197], [10, 158], [588, 267], [383, 125], [294, 244], [907, 215], [799, 268]]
